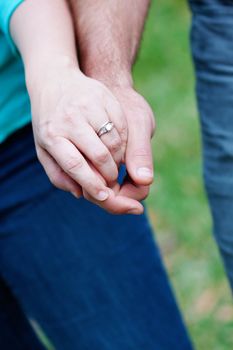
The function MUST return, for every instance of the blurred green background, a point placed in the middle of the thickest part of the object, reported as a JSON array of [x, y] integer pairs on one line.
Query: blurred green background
[[177, 203]]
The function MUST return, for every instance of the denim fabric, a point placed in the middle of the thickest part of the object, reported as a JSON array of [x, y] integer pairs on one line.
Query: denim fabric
[[212, 48], [91, 280]]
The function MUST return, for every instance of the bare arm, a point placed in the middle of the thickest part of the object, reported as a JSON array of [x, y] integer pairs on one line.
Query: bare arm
[[67, 107], [108, 35], [43, 33]]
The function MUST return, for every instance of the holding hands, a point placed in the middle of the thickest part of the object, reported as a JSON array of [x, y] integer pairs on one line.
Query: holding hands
[[70, 109], [138, 154]]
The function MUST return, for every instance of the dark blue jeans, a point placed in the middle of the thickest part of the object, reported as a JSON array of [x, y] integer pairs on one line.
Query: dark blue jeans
[[212, 48], [91, 280]]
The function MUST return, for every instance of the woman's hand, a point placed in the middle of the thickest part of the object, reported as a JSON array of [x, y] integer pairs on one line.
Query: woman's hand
[[67, 111]]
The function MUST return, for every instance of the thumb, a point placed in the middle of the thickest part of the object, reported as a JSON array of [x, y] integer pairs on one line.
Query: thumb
[[139, 161]]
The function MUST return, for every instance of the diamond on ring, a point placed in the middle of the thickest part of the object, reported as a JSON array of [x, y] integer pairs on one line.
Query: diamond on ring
[[105, 128]]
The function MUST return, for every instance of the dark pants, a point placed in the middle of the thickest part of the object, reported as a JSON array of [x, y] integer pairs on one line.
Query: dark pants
[[91, 280], [212, 47]]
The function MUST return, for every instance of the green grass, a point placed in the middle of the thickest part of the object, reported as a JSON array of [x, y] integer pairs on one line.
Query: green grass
[[177, 203]]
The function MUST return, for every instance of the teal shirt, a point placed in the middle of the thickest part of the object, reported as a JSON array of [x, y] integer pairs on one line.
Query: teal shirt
[[14, 100]]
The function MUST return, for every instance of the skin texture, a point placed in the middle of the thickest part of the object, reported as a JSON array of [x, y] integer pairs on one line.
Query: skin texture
[[108, 34]]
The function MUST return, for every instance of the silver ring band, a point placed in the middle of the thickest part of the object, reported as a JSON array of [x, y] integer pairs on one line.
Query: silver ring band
[[105, 128]]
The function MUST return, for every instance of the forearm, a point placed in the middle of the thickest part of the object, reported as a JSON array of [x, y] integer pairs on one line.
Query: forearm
[[44, 34], [108, 34]]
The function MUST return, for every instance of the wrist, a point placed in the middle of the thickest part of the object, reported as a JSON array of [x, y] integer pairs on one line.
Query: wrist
[[111, 76], [41, 69]]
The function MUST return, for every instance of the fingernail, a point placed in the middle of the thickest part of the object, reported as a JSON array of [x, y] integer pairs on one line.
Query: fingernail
[[102, 196], [145, 173], [134, 211]]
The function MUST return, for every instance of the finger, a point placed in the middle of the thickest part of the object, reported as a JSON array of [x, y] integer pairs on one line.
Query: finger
[[113, 143], [133, 191], [112, 139], [74, 164], [116, 204], [117, 116], [88, 142], [56, 175], [139, 160]]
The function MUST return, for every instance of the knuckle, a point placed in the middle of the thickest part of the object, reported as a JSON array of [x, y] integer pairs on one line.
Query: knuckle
[[47, 134], [73, 165], [123, 132], [57, 180], [115, 145], [101, 157]]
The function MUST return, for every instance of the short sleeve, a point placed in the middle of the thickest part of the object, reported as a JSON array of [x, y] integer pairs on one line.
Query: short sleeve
[[7, 8]]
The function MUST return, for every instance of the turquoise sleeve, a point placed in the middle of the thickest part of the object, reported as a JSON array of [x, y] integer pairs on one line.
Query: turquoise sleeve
[[7, 8]]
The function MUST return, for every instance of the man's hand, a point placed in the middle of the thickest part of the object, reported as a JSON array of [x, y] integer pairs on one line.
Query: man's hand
[[138, 154], [141, 126]]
